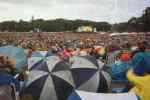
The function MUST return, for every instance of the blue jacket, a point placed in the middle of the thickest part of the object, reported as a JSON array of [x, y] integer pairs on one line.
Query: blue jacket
[[141, 63], [9, 79]]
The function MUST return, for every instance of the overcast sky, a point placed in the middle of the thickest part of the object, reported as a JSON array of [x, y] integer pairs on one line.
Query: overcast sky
[[96, 10]]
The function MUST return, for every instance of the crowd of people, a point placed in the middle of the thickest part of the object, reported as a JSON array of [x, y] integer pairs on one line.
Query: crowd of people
[[44, 41], [96, 44]]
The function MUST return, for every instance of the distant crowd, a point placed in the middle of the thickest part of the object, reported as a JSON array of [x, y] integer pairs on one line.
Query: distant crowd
[[44, 41]]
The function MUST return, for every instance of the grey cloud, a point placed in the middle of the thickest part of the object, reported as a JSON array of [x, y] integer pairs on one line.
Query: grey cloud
[[98, 10], [27, 2], [48, 2]]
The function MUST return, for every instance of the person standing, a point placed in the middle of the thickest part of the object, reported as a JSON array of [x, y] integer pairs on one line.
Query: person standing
[[140, 74]]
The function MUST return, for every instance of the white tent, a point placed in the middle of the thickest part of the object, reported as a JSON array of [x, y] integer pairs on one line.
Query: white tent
[[125, 33]]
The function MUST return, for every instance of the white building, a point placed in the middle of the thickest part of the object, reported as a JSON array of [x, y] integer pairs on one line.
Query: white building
[[86, 29]]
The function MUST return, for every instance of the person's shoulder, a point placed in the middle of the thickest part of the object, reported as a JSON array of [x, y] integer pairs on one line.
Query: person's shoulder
[[139, 53]]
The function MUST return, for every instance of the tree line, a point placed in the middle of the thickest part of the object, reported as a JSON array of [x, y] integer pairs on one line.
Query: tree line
[[135, 24]]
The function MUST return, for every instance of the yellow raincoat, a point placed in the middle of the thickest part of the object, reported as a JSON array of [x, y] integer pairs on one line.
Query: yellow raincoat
[[142, 85]]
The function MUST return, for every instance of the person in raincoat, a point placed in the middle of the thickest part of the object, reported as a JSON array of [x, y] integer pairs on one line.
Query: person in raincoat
[[141, 85], [140, 74], [6, 72], [119, 69], [140, 60]]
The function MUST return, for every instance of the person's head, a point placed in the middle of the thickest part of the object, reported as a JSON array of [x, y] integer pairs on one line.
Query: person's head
[[125, 56], [1, 59], [142, 46], [7, 64]]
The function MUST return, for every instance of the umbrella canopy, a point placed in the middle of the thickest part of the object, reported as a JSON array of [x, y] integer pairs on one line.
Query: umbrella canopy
[[37, 56], [82, 95], [104, 82], [85, 71], [53, 79], [16, 54], [41, 54], [90, 71], [49, 79]]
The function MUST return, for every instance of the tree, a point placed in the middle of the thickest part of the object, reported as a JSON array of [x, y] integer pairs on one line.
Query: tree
[[146, 19]]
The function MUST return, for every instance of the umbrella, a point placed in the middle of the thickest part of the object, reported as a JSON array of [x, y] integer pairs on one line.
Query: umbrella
[[41, 54], [82, 95], [89, 71], [104, 82], [37, 56], [53, 79], [85, 71], [49, 79], [15, 53]]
